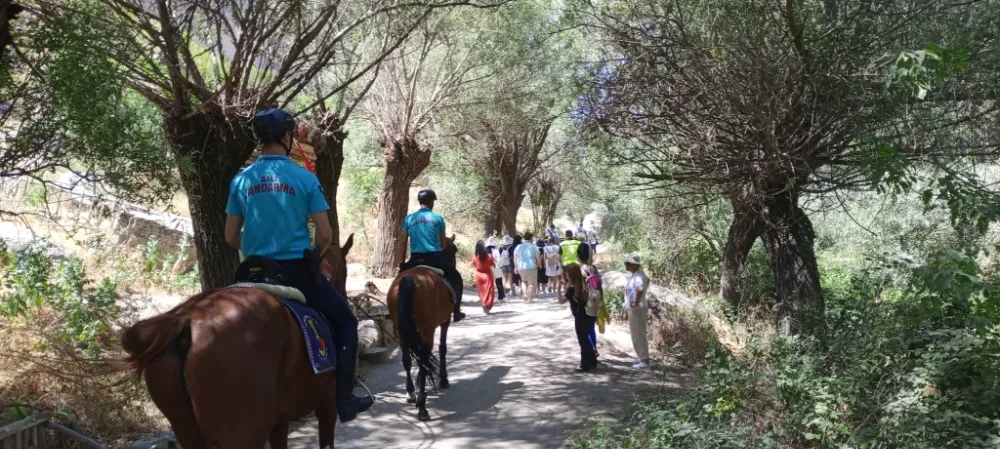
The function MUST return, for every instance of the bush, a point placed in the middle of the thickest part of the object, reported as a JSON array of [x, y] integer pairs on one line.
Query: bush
[[911, 367], [58, 345]]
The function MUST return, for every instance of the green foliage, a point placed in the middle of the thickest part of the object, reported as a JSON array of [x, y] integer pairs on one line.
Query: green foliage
[[35, 284], [911, 368], [670, 420], [150, 254], [455, 184], [35, 196], [362, 195], [97, 125]]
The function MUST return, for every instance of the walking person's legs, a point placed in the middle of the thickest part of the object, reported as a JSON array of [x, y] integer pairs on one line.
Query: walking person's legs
[[637, 327], [500, 290], [529, 277], [592, 335], [588, 360]]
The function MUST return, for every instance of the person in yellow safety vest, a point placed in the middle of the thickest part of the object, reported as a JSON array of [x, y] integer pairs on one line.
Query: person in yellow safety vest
[[569, 248]]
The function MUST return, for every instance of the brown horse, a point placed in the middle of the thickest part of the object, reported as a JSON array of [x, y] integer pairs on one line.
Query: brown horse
[[419, 302], [229, 369]]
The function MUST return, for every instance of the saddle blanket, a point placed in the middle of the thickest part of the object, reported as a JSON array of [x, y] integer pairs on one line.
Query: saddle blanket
[[319, 338]]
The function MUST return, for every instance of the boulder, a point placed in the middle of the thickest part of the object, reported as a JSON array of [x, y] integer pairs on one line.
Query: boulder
[[369, 335], [162, 440]]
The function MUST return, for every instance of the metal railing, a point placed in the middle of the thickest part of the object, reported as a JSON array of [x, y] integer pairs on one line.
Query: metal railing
[[31, 432]]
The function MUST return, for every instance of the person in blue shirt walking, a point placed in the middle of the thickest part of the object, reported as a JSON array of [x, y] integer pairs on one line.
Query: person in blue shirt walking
[[269, 206], [425, 231]]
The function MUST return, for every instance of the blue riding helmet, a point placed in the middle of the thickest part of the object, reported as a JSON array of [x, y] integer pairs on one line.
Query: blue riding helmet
[[426, 195], [270, 125]]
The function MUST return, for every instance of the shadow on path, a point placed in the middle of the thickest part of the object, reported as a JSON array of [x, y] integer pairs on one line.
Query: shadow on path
[[512, 386]]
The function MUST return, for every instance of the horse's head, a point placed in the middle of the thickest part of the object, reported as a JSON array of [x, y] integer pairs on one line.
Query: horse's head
[[450, 250], [335, 263]]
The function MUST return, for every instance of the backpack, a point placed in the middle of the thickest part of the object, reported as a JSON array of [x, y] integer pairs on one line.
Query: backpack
[[504, 258], [595, 291]]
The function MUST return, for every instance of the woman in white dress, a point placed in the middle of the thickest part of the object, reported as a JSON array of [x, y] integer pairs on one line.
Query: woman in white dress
[[553, 267]]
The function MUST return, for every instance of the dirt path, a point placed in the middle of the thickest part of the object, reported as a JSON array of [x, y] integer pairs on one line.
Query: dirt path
[[512, 386]]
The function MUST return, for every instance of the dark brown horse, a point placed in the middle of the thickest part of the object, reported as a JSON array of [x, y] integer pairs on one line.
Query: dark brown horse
[[419, 302], [229, 369]]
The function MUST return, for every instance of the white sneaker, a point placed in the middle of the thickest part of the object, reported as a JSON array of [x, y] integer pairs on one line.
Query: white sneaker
[[640, 365]]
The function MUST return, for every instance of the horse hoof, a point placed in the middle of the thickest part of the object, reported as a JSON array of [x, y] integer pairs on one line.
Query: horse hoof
[[411, 399], [444, 383], [424, 416]]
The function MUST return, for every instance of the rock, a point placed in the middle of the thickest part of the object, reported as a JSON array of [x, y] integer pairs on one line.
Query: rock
[[388, 334], [377, 355], [657, 296], [162, 440], [184, 265], [368, 335]]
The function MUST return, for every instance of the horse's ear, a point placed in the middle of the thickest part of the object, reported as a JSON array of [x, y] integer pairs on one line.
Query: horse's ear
[[347, 245], [453, 238]]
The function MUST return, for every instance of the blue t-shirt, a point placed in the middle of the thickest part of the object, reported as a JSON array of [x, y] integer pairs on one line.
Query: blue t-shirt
[[525, 256], [425, 228], [275, 198]]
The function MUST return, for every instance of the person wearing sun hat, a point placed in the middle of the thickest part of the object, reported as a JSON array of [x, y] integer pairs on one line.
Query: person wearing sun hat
[[638, 309]]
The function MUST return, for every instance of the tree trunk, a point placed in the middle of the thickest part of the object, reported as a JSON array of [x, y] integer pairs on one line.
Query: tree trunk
[[788, 237], [510, 203], [491, 223], [404, 161], [216, 146], [329, 147], [743, 232], [549, 217]]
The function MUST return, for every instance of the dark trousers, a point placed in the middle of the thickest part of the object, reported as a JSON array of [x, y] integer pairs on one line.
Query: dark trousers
[[583, 324], [325, 298], [438, 260], [500, 292]]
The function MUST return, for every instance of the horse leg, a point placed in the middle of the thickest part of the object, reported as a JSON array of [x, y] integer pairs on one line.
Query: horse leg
[[165, 382], [422, 414], [443, 374], [279, 436], [407, 364], [326, 414]]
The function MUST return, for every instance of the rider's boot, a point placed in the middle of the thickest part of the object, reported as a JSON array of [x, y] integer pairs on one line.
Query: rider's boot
[[349, 405], [458, 314], [455, 280]]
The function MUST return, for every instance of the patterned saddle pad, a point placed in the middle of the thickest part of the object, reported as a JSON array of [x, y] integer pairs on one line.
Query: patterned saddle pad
[[319, 338]]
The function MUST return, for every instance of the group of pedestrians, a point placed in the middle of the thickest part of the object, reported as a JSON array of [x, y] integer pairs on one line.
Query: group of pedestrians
[[552, 263]]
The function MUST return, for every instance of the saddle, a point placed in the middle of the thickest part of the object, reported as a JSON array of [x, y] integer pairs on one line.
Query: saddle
[[440, 272], [265, 274], [268, 275]]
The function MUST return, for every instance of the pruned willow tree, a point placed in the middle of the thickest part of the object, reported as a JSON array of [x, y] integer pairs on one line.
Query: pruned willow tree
[[515, 147], [505, 135], [545, 193], [209, 65], [444, 57], [765, 102]]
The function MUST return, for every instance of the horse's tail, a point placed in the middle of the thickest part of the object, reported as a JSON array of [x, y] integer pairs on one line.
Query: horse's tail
[[408, 329], [149, 338]]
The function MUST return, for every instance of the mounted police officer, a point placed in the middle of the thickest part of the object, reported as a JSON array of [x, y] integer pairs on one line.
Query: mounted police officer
[[269, 205], [425, 231]]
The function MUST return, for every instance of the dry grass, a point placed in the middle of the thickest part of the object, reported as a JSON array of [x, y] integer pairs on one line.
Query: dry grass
[[41, 372], [686, 335]]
